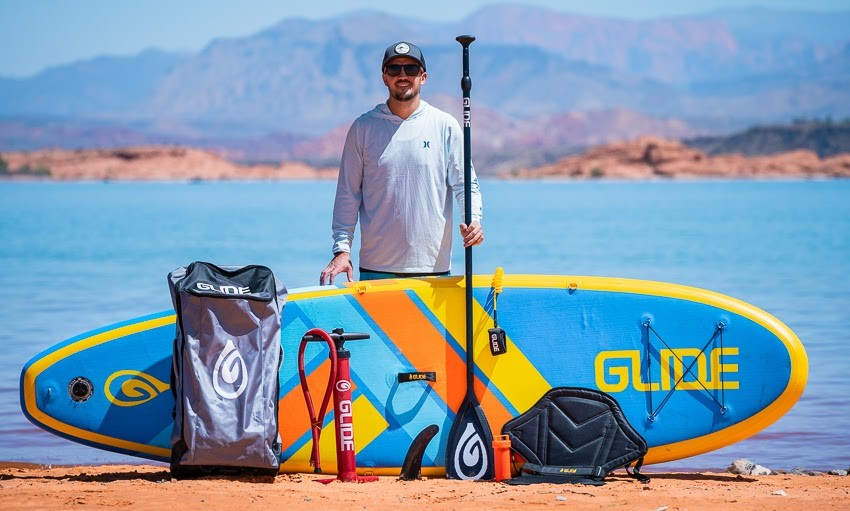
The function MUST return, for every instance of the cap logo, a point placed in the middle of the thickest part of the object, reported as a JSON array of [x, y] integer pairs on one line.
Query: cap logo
[[402, 48]]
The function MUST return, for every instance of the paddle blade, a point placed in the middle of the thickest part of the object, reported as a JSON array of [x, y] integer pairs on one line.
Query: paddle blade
[[469, 451]]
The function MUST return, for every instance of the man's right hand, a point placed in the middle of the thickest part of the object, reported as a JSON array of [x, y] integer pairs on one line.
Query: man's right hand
[[340, 263]]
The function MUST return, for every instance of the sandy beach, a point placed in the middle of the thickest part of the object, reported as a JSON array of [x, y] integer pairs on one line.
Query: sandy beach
[[151, 487]]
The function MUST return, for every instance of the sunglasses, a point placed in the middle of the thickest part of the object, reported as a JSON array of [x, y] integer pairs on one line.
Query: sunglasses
[[409, 69]]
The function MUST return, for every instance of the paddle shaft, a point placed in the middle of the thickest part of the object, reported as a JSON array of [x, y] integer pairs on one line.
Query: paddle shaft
[[466, 87], [468, 449]]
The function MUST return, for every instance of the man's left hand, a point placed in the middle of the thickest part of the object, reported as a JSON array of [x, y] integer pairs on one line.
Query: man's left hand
[[473, 234]]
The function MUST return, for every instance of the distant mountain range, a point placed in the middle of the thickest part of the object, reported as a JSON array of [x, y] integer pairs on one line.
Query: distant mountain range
[[824, 138], [545, 82]]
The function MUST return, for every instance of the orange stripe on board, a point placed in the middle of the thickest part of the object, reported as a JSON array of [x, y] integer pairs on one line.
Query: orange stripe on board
[[496, 413], [418, 339]]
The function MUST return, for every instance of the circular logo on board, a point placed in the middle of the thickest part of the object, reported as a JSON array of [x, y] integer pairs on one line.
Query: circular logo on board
[[402, 48], [343, 385]]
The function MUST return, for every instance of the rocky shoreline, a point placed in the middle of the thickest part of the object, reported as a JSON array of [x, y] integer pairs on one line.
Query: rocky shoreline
[[743, 466], [640, 159], [147, 163], [657, 158]]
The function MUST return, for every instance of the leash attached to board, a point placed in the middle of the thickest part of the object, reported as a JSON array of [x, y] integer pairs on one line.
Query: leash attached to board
[[469, 447], [498, 337]]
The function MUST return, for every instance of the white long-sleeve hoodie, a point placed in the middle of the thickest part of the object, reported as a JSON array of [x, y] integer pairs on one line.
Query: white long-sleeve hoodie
[[398, 176]]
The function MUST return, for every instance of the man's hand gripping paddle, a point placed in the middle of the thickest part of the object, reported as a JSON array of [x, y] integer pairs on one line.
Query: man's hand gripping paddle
[[469, 453]]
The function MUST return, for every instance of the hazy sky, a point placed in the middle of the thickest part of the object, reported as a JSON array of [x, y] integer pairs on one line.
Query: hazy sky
[[35, 34]]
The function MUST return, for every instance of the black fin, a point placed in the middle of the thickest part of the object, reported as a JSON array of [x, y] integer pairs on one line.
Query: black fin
[[412, 467]]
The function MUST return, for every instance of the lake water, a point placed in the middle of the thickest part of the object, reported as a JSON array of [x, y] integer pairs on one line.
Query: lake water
[[77, 256]]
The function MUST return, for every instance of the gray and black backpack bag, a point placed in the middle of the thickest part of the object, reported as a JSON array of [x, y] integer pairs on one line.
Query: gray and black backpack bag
[[227, 354]]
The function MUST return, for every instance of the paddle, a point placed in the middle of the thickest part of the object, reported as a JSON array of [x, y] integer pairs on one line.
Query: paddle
[[469, 447]]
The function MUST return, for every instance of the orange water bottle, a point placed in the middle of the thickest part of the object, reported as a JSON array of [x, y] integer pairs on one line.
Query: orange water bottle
[[502, 457]]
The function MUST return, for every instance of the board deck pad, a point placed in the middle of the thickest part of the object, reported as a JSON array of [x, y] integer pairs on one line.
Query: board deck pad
[[693, 370]]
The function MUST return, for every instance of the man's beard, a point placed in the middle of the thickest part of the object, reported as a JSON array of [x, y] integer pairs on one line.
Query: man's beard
[[405, 95]]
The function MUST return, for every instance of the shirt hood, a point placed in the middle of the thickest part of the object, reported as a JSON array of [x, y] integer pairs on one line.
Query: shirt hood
[[383, 111]]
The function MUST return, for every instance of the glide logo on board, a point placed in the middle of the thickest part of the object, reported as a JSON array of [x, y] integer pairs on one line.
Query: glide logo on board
[[230, 375], [679, 368], [132, 388]]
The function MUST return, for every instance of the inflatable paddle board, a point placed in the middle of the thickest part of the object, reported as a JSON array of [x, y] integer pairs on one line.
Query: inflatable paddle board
[[693, 370]]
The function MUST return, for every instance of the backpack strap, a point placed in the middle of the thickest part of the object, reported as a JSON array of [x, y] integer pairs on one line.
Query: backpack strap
[[643, 478], [532, 473], [554, 470]]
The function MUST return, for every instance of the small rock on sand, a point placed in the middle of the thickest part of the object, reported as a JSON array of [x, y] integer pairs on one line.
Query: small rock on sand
[[748, 468]]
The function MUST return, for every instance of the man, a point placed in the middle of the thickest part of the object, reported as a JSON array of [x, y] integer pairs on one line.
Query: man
[[401, 163]]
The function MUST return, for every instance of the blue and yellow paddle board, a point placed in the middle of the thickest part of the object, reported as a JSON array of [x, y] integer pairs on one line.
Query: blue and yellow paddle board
[[693, 370]]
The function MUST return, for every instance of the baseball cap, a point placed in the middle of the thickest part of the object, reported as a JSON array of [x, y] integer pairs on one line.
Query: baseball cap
[[404, 49]]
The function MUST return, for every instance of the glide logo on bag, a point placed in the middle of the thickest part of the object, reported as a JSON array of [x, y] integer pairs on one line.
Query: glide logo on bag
[[230, 375], [225, 290]]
